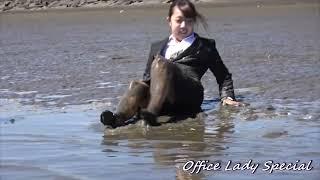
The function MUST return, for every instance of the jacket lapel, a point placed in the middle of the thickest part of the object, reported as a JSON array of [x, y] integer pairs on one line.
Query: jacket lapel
[[190, 50], [162, 45]]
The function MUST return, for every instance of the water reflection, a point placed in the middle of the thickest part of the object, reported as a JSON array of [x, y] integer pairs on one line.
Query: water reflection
[[173, 144]]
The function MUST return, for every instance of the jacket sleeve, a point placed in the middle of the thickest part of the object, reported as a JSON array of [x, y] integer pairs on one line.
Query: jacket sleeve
[[220, 71], [146, 75]]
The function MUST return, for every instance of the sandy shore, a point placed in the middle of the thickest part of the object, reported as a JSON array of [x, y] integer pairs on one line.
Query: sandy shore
[[36, 5]]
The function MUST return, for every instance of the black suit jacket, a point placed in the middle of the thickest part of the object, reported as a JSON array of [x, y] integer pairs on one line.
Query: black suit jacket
[[195, 61]]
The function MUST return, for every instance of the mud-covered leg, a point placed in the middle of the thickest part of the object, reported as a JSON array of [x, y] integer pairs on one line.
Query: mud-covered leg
[[161, 84], [161, 89], [137, 96]]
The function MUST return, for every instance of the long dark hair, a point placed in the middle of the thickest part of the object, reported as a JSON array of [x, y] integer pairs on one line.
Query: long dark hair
[[189, 11]]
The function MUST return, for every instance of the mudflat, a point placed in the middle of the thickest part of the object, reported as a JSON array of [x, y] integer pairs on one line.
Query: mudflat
[[60, 69]]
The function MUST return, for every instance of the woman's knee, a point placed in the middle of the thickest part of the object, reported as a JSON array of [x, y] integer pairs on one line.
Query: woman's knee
[[139, 90], [135, 84], [161, 66], [136, 96]]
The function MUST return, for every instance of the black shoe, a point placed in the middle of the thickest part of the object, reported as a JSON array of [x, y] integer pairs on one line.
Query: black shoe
[[107, 118], [150, 118]]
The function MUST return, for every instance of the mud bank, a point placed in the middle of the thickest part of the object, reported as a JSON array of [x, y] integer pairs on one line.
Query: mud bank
[[35, 5]]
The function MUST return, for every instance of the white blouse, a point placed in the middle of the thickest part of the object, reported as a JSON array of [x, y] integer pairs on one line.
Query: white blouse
[[174, 46]]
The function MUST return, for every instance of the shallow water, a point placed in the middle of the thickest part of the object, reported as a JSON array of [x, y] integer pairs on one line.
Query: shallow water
[[59, 70]]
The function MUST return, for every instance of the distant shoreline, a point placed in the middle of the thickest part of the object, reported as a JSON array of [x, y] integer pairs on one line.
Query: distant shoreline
[[13, 6]]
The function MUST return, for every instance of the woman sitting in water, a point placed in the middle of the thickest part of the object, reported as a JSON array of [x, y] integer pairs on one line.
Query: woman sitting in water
[[171, 82]]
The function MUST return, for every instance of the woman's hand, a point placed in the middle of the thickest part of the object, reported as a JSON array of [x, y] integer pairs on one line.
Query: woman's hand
[[230, 101]]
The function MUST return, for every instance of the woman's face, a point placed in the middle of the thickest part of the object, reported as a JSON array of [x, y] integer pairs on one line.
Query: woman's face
[[181, 27]]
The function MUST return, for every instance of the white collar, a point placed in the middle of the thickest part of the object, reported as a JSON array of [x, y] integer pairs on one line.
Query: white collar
[[186, 41], [173, 46]]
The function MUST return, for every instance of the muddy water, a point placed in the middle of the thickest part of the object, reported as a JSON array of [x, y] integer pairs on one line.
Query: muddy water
[[59, 70]]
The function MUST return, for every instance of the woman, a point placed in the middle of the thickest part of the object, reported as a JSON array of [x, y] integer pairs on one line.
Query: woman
[[171, 82]]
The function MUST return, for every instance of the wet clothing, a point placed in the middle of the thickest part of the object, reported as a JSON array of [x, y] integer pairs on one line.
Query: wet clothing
[[174, 47], [191, 64]]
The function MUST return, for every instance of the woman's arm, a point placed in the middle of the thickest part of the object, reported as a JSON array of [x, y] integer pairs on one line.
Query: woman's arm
[[223, 77], [146, 75]]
